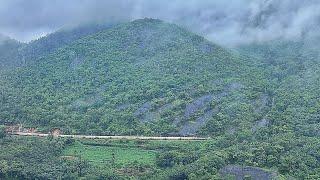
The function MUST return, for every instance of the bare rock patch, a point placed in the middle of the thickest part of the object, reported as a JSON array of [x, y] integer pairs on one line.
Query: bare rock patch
[[242, 172]]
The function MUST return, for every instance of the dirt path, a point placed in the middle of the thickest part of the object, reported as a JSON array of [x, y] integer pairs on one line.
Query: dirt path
[[114, 137]]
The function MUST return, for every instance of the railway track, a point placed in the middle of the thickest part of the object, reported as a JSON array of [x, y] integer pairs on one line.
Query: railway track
[[114, 137]]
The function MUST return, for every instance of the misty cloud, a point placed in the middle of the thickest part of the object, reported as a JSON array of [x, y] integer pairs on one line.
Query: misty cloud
[[225, 22]]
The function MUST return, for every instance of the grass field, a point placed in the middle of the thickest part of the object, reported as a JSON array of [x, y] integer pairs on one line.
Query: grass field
[[119, 156]]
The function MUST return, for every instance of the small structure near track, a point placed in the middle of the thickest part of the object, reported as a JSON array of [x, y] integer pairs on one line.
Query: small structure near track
[[56, 132], [12, 129]]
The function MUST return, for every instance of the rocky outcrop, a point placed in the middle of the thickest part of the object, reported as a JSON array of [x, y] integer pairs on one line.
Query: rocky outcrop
[[242, 172], [191, 128], [260, 124]]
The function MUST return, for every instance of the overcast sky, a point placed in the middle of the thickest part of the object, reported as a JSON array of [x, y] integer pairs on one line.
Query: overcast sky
[[223, 21]]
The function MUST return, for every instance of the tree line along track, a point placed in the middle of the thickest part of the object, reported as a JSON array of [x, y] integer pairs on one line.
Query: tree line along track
[[113, 137]]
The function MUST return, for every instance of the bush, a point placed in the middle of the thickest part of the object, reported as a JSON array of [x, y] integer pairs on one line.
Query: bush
[[165, 160], [69, 141], [2, 132]]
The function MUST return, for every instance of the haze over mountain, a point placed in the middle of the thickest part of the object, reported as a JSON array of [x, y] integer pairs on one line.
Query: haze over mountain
[[224, 22], [15, 54], [9, 50]]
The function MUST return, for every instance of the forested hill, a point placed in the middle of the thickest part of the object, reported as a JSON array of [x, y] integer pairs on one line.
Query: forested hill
[[143, 77], [61, 38], [15, 54], [9, 50], [293, 68], [259, 103]]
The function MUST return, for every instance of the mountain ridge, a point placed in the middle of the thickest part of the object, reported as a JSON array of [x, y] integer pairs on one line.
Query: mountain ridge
[[162, 60]]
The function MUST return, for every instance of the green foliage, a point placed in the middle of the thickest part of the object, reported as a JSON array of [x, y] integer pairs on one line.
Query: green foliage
[[259, 105], [9, 53], [29, 158], [114, 156], [165, 160], [2, 131], [144, 77]]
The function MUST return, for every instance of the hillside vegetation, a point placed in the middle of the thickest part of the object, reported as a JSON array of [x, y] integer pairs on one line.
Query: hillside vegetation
[[9, 50], [259, 103], [15, 54], [144, 77]]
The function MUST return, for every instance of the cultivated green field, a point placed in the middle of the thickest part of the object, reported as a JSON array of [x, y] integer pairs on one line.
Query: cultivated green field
[[118, 156]]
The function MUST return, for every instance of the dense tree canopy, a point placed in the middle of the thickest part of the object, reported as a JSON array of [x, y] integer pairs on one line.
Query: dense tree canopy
[[2, 132], [259, 103]]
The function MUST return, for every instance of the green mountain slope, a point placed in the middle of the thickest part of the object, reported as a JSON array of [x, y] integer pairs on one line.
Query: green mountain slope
[[9, 52], [143, 77], [61, 38], [294, 70], [15, 54], [260, 104]]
